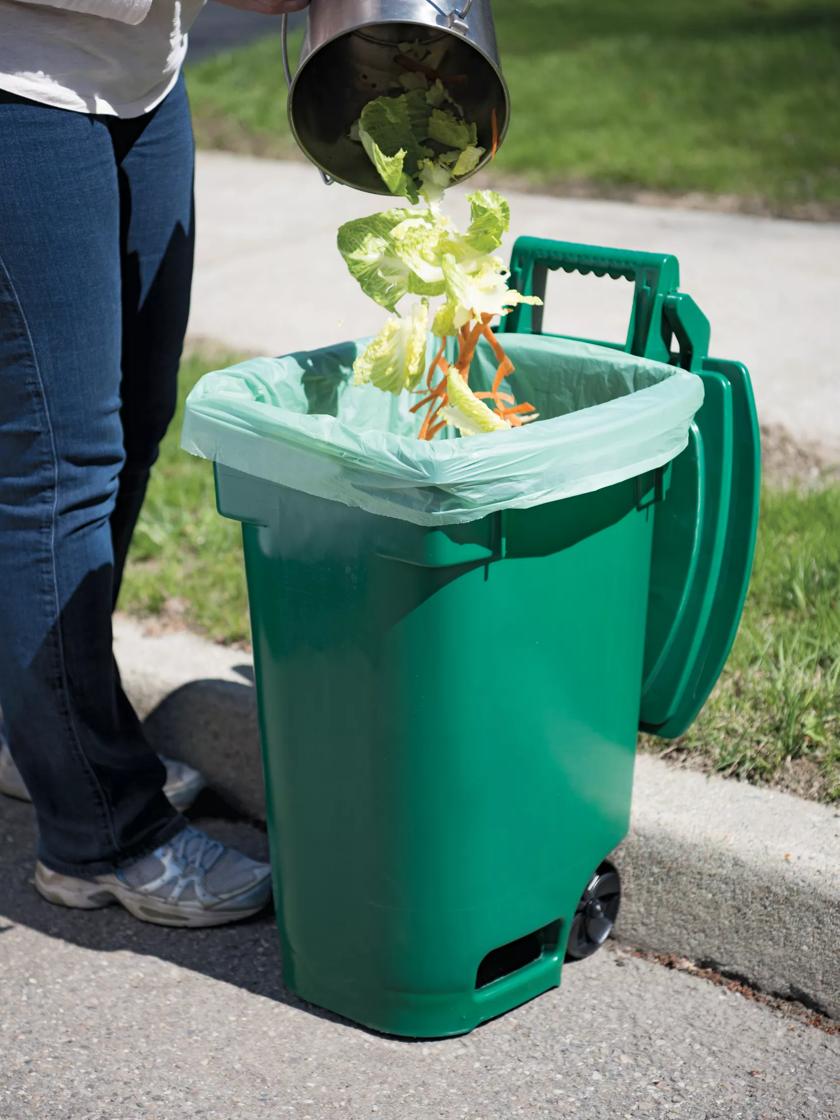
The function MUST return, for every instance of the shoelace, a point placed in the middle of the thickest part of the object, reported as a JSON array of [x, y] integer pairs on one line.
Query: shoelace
[[192, 848]]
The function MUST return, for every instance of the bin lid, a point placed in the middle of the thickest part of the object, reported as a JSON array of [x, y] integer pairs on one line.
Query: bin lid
[[704, 535], [704, 539]]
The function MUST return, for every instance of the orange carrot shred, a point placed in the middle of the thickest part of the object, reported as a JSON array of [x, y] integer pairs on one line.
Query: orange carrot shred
[[488, 395], [421, 404], [434, 398], [435, 362]]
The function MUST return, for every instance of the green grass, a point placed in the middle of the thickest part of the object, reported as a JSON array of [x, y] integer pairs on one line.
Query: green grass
[[725, 97], [773, 716], [185, 564]]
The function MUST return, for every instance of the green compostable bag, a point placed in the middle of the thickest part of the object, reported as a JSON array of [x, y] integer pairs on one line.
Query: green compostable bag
[[299, 421]]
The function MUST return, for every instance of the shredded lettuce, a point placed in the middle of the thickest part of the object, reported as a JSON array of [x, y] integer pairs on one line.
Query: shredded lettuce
[[465, 411], [392, 131], [443, 323], [467, 161], [420, 143], [418, 251], [436, 95], [413, 79], [489, 220], [476, 289], [418, 243], [448, 130], [396, 253], [400, 122], [390, 168], [395, 359], [418, 140], [434, 179], [367, 246]]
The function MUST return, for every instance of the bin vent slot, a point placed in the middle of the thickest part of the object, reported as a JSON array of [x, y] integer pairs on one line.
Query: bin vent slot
[[517, 954]]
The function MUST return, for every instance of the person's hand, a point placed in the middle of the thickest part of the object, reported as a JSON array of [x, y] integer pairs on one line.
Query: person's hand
[[268, 7]]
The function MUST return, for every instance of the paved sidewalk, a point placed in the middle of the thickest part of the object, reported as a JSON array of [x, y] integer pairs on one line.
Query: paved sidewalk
[[105, 1018], [269, 278]]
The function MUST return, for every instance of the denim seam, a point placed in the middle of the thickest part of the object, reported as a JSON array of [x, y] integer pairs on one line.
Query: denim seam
[[105, 866], [51, 584]]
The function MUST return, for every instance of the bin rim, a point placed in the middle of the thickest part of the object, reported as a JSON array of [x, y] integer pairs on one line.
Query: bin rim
[[232, 420]]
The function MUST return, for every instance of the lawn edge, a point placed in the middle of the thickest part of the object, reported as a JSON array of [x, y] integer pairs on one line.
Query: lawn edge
[[222, 134], [736, 877]]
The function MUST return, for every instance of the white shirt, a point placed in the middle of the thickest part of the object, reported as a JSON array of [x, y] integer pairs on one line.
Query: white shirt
[[117, 57]]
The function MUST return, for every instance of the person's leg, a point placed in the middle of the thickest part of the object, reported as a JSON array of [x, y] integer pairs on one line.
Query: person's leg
[[155, 158], [155, 170], [94, 781]]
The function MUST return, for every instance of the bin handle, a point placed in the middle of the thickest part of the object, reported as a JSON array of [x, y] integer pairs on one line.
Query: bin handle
[[574, 257], [656, 277]]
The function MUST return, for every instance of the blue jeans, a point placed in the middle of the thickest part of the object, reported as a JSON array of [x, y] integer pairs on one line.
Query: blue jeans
[[96, 249]]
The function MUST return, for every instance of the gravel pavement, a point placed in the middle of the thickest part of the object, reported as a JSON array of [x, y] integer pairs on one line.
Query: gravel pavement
[[107, 1019]]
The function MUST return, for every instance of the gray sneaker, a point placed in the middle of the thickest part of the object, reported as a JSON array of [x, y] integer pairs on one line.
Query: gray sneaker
[[183, 783], [189, 881]]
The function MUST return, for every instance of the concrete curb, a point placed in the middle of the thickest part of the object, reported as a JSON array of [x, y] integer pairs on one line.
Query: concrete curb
[[743, 879]]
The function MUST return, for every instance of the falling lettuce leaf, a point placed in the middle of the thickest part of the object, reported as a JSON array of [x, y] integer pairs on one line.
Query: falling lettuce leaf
[[408, 251], [367, 246], [396, 253], [420, 242], [489, 220], [465, 411], [434, 180], [395, 359], [477, 288], [420, 143], [443, 323]]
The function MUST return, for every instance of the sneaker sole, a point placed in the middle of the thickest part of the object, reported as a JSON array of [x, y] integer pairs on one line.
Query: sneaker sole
[[80, 894]]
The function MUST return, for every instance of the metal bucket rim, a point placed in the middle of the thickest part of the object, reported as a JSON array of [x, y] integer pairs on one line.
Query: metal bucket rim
[[377, 23]]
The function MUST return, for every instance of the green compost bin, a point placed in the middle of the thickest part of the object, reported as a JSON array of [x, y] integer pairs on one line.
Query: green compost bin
[[450, 676]]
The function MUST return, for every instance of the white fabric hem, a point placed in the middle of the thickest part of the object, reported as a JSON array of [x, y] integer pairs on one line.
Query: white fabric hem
[[131, 12], [57, 96]]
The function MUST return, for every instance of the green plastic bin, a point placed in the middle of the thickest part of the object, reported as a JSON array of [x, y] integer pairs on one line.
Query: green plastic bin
[[449, 712]]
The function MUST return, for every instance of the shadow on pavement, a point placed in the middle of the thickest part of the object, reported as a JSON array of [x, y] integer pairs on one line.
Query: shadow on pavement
[[246, 954], [245, 671]]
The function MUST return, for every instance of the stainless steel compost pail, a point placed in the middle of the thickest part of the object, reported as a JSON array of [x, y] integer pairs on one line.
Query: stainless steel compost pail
[[351, 54]]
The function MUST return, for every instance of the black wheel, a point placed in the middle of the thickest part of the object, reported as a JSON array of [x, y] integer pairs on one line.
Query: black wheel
[[596, 913]]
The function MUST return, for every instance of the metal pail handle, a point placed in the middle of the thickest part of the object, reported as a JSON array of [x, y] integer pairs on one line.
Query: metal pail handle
[[287, 71]]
